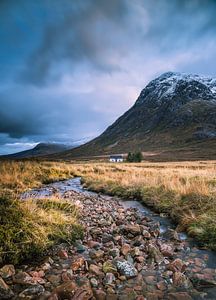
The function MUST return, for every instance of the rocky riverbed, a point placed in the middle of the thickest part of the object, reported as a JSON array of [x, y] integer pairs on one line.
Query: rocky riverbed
[[124, 255]]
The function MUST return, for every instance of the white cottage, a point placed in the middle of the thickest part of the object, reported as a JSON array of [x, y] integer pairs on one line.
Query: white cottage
[[116, 158]]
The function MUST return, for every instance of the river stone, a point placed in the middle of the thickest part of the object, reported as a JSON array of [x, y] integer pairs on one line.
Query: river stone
[[199, 262], [46, 266], [80, 248], [179, 296], [32, 291], [67, 275], [131, 229], [5, 291], [130, 259], [114, 252], [96, 254], [94, 282], [199, 281], [49, 260], [96, 231], [94, 244], [180, 280], [109, 278], [140, 259], [131, 295], [77, 264], [71, 290], [146, 234], [155, 295], [63, 254], [177, 265], [23, 278], [111, 294], [118, 239], [155, 254], [138, 241], [171, 234], [54, 279], [126, 268], [7, 271], [135, 251], [95, 270], [107, 237], [125, 249], [166, 250], [108, 267], [100, 295]]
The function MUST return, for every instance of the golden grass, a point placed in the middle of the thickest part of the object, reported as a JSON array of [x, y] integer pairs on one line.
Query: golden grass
[[184, 190], [28, 228], [183, 178], [21, 175]]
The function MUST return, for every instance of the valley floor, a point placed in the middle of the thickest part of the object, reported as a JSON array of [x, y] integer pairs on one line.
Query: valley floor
[[184, 190], [122, 256], [29, 228]]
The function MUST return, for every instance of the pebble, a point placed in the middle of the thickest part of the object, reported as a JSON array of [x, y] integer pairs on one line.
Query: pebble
[[108, 267], [94, 282], [126, 269], [125, 249], [77, 264], [7, 271], [63, 254], [32, 291], [23, 278], [95, 270], [109, 278], [5, 291]]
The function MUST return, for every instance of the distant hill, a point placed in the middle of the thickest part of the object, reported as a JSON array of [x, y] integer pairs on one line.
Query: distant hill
[[175, 113], [39, 150]]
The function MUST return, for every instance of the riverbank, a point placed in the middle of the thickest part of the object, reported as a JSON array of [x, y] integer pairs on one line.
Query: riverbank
[[124, 255], [184, 191], [29, 228]]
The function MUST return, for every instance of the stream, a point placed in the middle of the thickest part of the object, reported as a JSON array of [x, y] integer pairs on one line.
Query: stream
[[206, 259]]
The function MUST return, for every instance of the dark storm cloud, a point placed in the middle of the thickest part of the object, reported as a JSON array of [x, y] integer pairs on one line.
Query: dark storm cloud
[[18, 120], [78, 34], [90, 31], [47, 114], [70, 68]]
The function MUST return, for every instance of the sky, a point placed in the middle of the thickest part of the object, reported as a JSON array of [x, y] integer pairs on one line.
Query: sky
[[70, 68]]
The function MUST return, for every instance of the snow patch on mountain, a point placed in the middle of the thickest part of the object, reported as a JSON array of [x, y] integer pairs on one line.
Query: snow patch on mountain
[[171, 84]]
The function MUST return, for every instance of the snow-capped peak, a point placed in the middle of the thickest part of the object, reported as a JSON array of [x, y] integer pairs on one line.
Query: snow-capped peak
[[174, 77], [171, 84]]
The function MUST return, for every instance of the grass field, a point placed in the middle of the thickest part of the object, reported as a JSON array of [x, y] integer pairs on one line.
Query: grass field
[[27, 228], [184, 190]]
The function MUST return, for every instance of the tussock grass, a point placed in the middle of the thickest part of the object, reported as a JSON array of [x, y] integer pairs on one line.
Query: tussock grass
[[184, 190], [22, 175], [28, 228]]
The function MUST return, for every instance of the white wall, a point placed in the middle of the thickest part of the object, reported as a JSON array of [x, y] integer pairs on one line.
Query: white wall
[[116, 160]]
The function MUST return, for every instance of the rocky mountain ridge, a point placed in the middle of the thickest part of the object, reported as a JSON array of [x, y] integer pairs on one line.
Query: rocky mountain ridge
[[174, 110], [171, 83], [39, 150]]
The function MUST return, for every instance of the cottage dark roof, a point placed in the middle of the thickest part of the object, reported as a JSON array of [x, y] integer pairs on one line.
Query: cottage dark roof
[[116, 156]]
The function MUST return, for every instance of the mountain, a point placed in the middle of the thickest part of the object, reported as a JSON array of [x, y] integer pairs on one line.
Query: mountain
[[40, 149], [173, 113]]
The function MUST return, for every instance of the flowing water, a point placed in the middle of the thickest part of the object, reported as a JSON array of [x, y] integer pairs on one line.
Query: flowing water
[[205, 259]]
